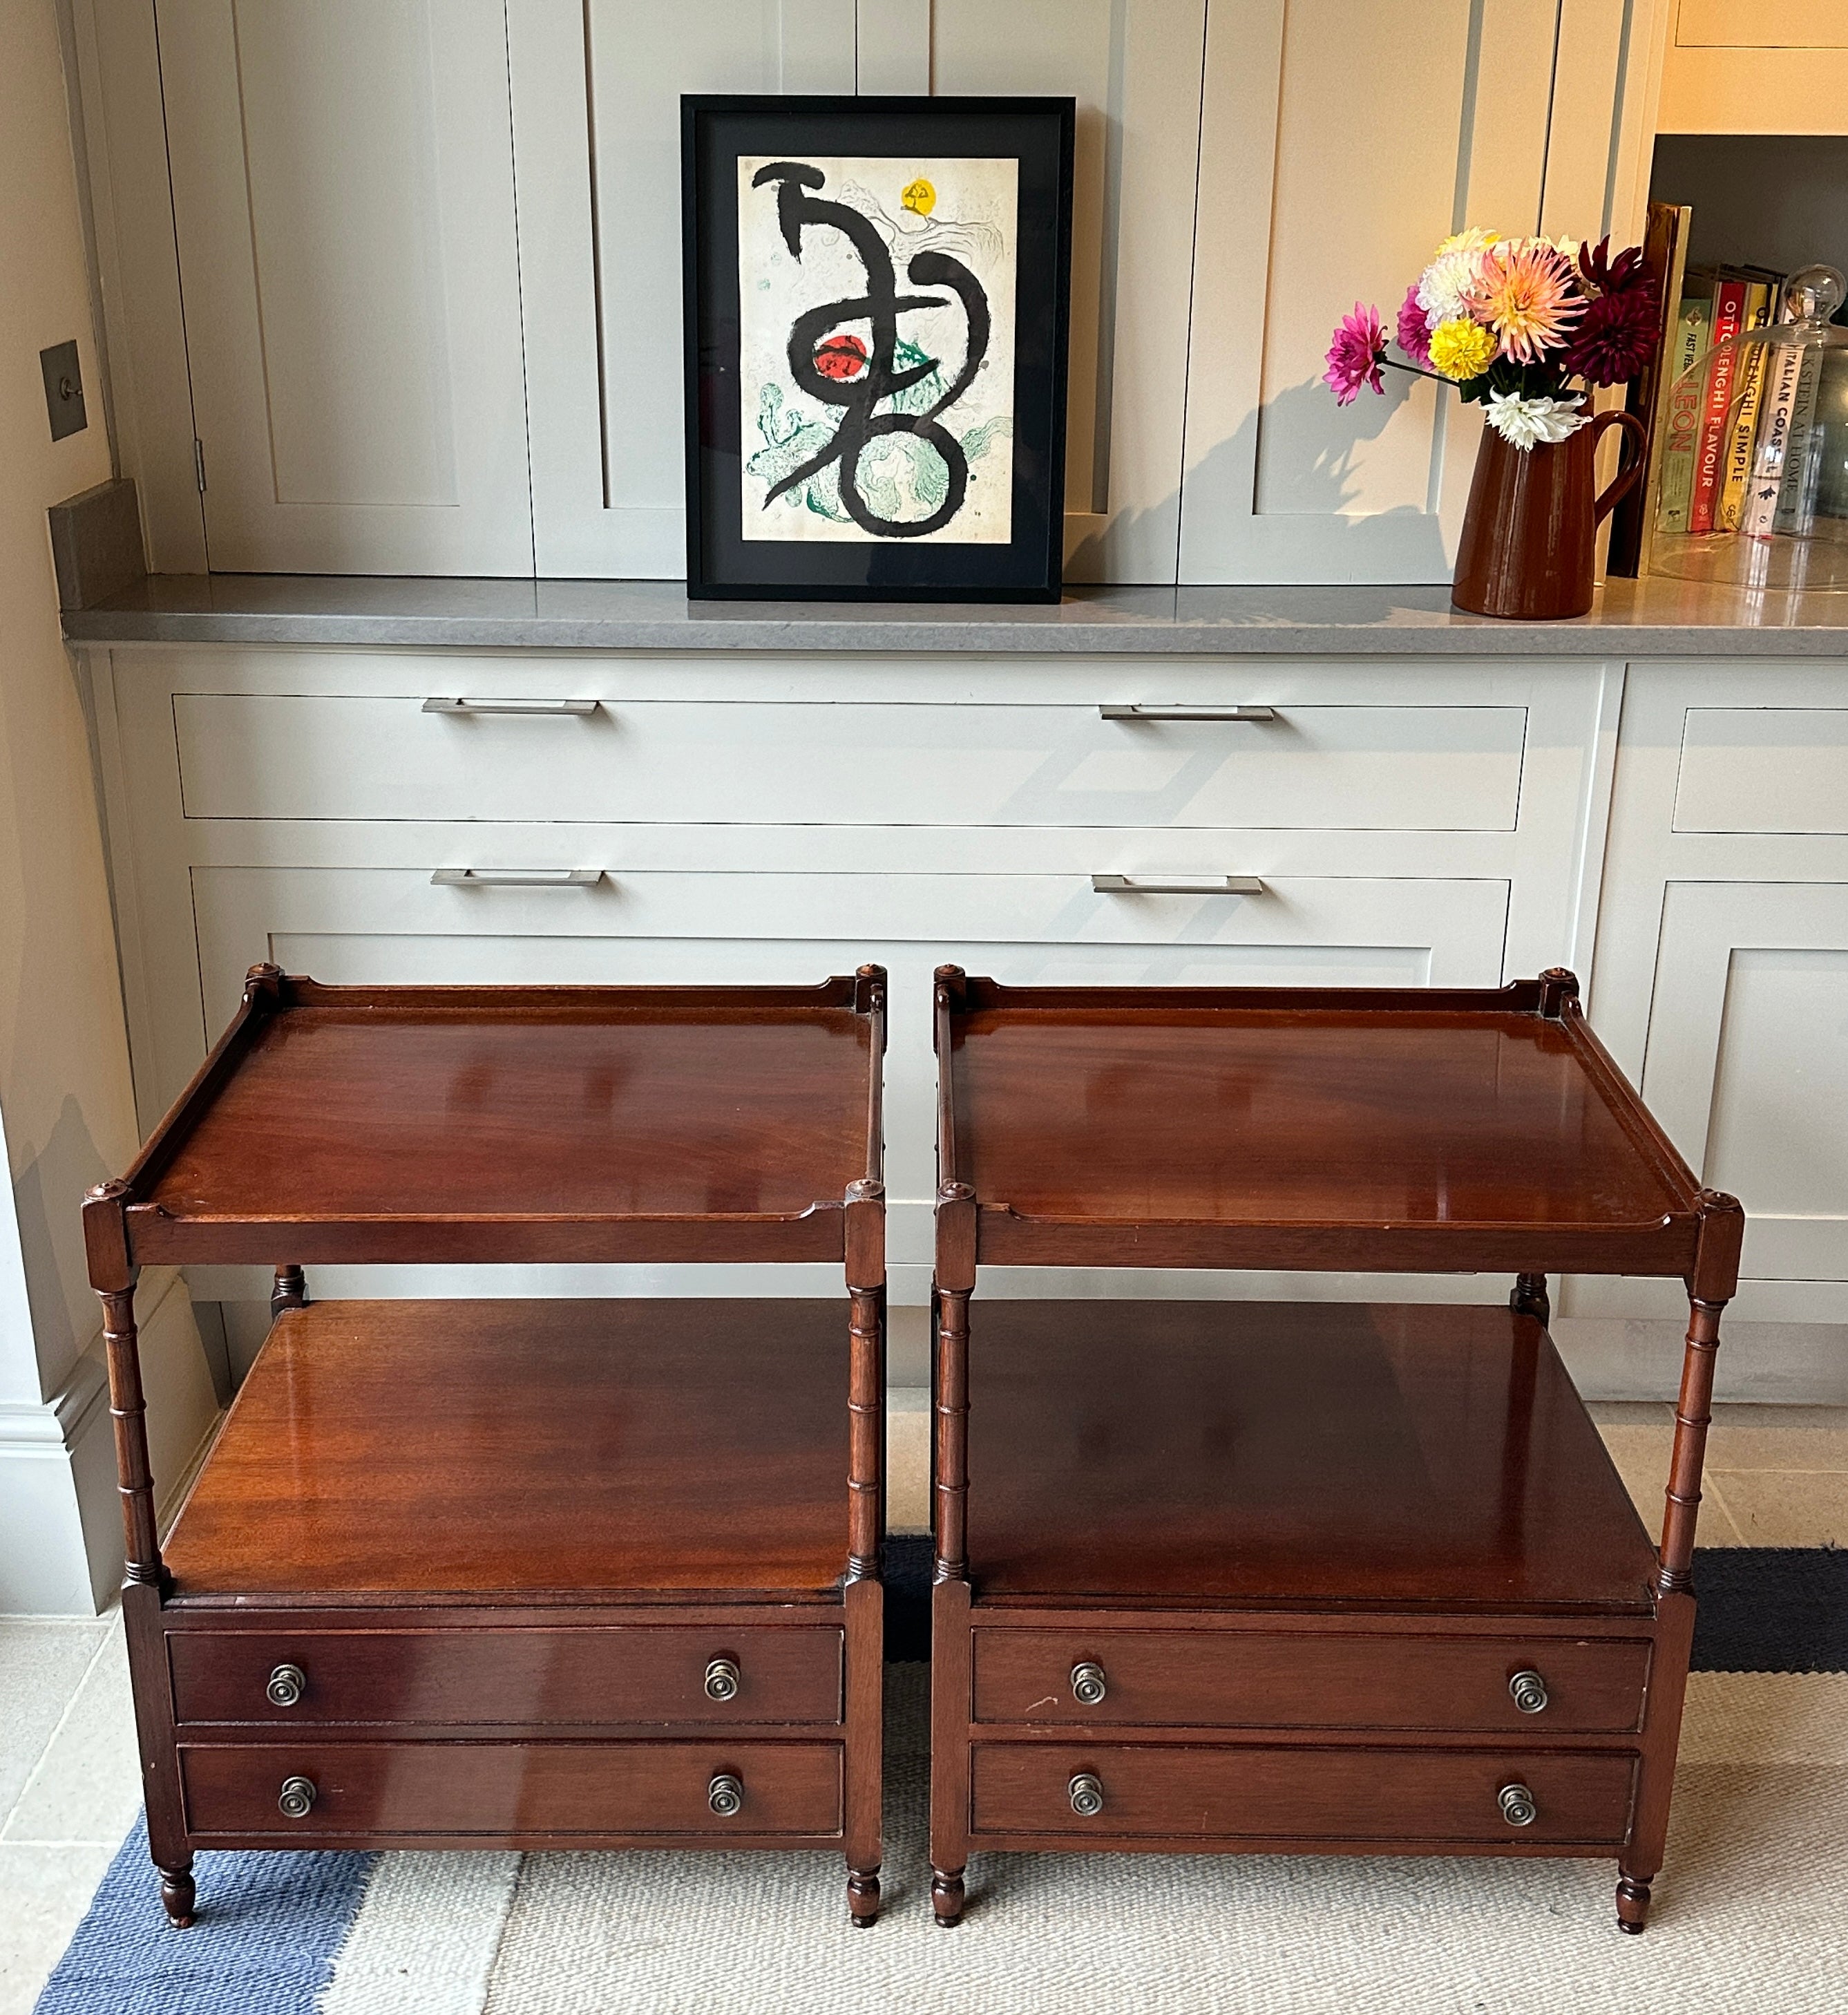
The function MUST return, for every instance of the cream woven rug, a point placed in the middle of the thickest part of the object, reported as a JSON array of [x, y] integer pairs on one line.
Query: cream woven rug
[[1751, 1914]]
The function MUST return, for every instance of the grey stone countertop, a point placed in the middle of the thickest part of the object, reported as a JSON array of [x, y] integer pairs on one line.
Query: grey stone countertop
[[1654, 618]]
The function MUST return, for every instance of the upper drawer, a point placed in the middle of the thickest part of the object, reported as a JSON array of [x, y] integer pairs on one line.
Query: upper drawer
[[1253, 1678], [588, 1674], [1763, 769], [1440, 768]]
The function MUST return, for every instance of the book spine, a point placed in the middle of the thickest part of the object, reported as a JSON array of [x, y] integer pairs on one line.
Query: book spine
[[1758, 518], [1749, 383], [1729, 312], [1681, 431], [1793, 498]]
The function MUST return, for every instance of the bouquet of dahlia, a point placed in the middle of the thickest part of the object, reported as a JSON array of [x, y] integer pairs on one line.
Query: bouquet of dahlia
[[1512, 322]]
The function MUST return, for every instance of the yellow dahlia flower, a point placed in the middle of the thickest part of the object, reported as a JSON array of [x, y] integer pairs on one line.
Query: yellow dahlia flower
[[1462, 349]]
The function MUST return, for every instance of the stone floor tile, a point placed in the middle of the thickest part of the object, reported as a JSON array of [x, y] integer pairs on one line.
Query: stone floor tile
[[87, 1785], [1785, 1437], [42, 1663], [1774, 1507], [47, 1889]]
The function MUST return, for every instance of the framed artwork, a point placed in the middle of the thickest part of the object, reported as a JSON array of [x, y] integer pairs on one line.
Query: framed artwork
[[876, 316]]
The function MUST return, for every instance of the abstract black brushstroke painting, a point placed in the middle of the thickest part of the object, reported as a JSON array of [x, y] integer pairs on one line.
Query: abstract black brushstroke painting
[[876, 304], [868, 412]]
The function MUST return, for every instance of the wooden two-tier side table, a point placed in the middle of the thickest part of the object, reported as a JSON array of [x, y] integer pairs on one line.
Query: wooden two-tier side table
[[1223, 1576], [531, 1574]]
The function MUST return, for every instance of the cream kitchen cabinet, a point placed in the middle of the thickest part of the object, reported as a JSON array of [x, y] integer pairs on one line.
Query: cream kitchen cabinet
[[614, 817]]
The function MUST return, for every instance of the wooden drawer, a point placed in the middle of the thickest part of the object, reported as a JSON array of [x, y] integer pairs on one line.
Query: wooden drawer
[[1184, 1795], [507, 1676], [1400, 768], [1260, 1679], [508, 1789]]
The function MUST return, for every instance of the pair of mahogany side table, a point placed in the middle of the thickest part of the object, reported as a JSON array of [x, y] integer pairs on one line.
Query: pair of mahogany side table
[[1211, 1576]]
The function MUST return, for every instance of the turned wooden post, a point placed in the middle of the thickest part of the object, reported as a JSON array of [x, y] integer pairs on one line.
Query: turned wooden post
[[862, 1594], [113, 1274], [1530, 1297], [291, 1291], [950, 1593], [1710, 1286]]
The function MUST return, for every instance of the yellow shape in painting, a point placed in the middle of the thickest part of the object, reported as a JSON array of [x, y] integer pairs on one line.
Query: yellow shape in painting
[[919, 196]]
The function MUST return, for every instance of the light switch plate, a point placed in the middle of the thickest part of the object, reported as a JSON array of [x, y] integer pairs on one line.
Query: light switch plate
[[63, 389]]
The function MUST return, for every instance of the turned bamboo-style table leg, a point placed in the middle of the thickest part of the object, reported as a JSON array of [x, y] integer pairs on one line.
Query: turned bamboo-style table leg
[[291, 1291], [863, 1595], [114, 1276], [1711, 1286], [949, 1518]]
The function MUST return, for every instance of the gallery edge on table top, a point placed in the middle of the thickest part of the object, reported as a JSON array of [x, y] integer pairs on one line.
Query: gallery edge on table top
[[532, 1117], [1428, 1115]]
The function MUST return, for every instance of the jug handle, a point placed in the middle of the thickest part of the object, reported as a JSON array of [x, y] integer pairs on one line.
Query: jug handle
[[1626, 476]]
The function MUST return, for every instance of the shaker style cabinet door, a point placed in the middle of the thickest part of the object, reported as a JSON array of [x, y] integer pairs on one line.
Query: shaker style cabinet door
[[596, 86], [343, 205], [1340, 145], [1748, 1061]]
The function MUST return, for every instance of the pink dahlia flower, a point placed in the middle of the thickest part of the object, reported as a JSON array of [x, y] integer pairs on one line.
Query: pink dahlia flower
[[1355, 354], [1414, 332]]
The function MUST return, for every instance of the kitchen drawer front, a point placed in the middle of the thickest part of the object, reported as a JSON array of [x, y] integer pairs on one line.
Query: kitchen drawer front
[[505, 1788], [1256, 1679], [1763, 769], [1452, 768], [1229, 1793], [506, 1675], [659, 928]]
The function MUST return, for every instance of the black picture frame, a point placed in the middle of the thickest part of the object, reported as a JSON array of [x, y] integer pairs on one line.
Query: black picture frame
[[716, 131]]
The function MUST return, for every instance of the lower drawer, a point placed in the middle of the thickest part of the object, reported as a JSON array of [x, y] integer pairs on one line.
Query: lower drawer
[[1185, 1794], [510, 1788], [1261, 1678], [501, 1675]]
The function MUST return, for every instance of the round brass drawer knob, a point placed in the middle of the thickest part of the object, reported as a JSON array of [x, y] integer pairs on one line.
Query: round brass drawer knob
[[1517, 1803], [287, 1684], [1529, 1692], [726, 1795], [723, 1679], [1087, 1794], [297, 1799], [1088, 1687]]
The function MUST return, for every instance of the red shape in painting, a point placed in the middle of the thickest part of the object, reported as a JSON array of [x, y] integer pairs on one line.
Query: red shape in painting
[[839, 356]]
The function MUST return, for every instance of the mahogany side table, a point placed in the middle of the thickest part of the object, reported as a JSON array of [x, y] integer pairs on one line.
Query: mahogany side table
[[1227, 1576], [519, 1573]]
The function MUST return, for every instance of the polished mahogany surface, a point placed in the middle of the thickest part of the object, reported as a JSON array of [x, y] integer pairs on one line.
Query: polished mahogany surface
[[1301, 1452], [1321, 1116], [530, 1447], [596, 1111]]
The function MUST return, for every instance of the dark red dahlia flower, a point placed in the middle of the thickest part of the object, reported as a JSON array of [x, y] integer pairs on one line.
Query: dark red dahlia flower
[[1615, 337], [1603, 275]]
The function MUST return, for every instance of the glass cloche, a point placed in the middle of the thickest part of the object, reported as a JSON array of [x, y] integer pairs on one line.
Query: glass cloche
[[1754, 443]]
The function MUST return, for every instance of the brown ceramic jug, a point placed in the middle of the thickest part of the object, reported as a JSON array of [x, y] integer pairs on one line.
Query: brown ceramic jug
[[1531, 533]]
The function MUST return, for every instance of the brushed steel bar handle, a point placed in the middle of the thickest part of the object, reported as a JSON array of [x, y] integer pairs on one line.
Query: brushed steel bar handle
[[1123, 711], [1201, 884], [458, 705], [516, 878]]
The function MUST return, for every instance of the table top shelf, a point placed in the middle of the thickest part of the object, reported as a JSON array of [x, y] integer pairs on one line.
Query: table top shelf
[[1406, 1458], [1330, 1129], [563, 1449], [376, 1124]]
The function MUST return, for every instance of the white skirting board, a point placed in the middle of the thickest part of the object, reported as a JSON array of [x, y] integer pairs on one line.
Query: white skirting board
[[59, 1509]]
